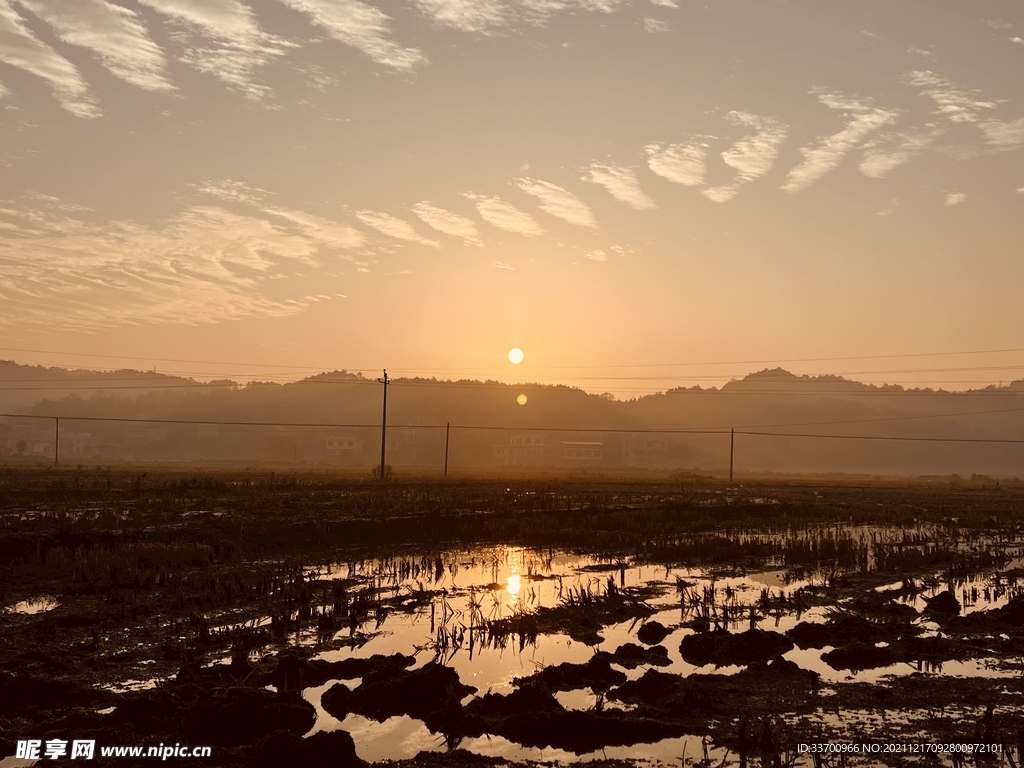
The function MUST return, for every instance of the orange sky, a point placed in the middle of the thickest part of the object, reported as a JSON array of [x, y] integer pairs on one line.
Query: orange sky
[[341, 184]]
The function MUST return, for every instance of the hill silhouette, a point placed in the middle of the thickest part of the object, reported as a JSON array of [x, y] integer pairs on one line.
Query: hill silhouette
[[487, 417]]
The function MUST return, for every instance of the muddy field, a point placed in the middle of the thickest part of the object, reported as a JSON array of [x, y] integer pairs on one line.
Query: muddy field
[[310, 619]]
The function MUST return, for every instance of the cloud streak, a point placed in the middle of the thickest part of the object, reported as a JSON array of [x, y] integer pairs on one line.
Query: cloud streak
[[1004, 136], [621, 183], [204, 265], [503, 215], [115, 34], [679, 163], [829, 152], [884, 157], [466, 15], [363, 27], [959, 105], [752, 156], [449, 223], [322, 232], [223, 40], [20, 48], [394, 227], [559, 202]]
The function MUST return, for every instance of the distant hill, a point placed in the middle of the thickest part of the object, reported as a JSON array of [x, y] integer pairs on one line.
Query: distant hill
[[492, 429]]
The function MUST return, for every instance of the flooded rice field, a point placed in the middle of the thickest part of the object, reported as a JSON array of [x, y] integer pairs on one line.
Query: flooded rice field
[[665, 638]]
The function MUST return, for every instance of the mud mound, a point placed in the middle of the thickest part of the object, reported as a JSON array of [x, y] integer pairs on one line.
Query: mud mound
[[858, 655], [724, 647], [651, 688], [432, 693], [943, 603], [528, 698], [842, 628], [238, 716], [294, 672], [580, 732], [285, 748], [596, 674], [1012, 613], [632, 656], [652, 633], [337, 700], [21, 695], [782, 668]]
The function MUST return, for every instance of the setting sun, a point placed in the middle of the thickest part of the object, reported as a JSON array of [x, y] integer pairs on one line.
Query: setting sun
[[521, 399], [515, 355]]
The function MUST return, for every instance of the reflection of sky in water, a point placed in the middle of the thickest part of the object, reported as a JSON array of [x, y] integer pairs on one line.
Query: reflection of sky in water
[[498, 583], [40, 604]]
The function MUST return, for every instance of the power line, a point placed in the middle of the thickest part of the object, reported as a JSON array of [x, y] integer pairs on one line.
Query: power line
[[201, 422], [886, 437], [485, 427], [885, 418]]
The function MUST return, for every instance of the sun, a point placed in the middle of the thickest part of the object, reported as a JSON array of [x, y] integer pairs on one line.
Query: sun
[[515, 355], [521, 399]]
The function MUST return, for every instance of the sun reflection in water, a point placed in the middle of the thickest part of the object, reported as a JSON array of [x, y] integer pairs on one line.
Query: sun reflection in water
[[513, 584]]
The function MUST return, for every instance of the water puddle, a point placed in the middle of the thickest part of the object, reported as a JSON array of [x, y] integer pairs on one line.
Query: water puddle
[[41, 604], [497, 616]]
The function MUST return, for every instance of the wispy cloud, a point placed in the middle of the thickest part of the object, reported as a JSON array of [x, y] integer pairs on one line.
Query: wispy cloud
[[394, 227], [955, 198], [959, 105], [597, 255], [541, 10], [1002, 136], [503, 265], [115, 34], [829, 152], [559, 202], [20, 48], [679, 163], [654, 26], [323, 232], [665, 3], [1017, 40], [466, 15], [882, 157], [223, 40], [233, 191], [449, 223], [203, 265], [752, 156], [504, 215], [621, 183], [889, 209], [363, 27]]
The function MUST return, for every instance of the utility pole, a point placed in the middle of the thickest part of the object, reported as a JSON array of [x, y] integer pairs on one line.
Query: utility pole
[[447, 434], [56, 440], [732, 445], [384, 424]]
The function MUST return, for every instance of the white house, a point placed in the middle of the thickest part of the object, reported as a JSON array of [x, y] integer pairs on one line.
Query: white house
[[582, 453]]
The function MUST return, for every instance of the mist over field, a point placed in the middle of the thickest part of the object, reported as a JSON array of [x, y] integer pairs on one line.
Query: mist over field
[[493, 431]]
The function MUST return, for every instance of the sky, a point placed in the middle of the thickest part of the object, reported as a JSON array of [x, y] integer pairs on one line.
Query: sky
[[627, 190]]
